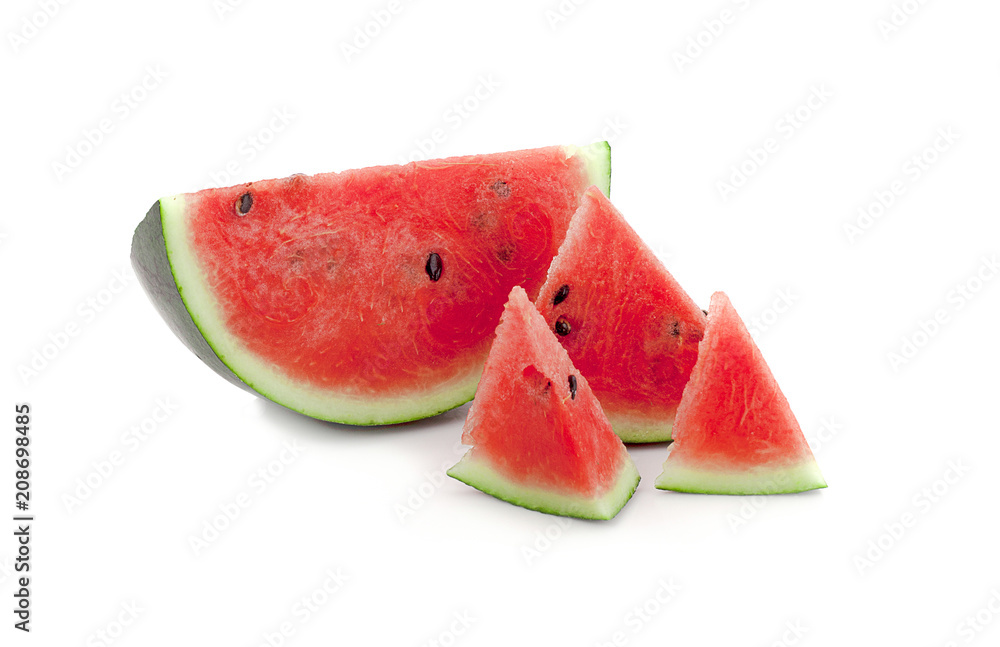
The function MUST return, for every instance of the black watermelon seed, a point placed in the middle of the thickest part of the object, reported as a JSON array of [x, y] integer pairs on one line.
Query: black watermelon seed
[[244, 203], [501, 189], [572, 387], [434, 266], [563, 327], [675, 329], [561, 295], [705, 311]]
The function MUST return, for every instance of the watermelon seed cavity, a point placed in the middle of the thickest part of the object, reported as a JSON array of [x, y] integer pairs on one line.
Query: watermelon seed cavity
[[433, 266], [563, 327], [244, 203], [505, 252], [572, 387], [501, 189], [561, 295]]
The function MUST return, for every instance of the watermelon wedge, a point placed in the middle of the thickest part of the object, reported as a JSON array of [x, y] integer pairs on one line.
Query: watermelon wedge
[[365, 297], [627, 324], [539, 438], [735, 433]]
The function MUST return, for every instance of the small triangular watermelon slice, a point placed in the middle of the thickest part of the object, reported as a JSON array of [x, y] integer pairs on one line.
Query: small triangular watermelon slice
[[539, 437], [735, 433], [626, 323]]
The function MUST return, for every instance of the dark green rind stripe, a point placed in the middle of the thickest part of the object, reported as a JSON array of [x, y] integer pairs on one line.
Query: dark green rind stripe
[[152, 266]]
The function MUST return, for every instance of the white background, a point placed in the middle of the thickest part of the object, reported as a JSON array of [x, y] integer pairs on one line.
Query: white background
[[740, 571]]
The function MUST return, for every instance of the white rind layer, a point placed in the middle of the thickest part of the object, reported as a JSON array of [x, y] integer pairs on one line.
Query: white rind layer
[[637, 429], [766, 479], [598, 159], [481, 475]]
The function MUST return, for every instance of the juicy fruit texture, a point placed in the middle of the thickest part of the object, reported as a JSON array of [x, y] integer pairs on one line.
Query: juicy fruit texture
[[368, 296], [735, 433], [627, 324], [539, 437]]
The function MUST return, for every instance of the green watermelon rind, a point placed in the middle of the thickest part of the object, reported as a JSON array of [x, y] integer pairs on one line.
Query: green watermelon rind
[[598, 157], [170, 272], [481, 475], [767, 479], [635, 430]]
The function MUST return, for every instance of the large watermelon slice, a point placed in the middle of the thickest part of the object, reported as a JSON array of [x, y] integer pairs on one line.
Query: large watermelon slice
[[735, 433], [627, 324], [365, 297], [539, 437]]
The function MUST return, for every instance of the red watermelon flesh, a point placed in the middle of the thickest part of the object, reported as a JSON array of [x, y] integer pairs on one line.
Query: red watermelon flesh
[[626, 322], [735, 433], [368, 296], [539, 437]]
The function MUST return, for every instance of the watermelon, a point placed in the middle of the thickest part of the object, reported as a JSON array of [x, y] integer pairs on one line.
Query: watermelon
[[539, 437], [735, 433], [365, 297], [627, 324]]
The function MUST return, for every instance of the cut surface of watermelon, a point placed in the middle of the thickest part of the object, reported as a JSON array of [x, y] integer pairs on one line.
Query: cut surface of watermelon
[[735, 433], [368, 296], [539, 437], [627, 324]]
